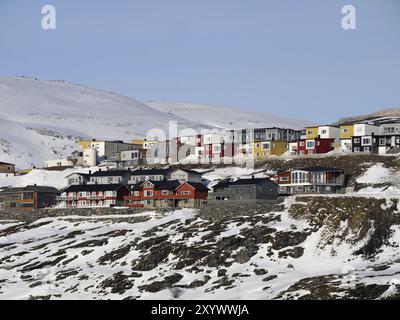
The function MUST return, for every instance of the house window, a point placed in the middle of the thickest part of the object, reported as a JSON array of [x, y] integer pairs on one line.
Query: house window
[[148, 193], [356, 149], [284, 179], [136, 193], [164, 192], [345, 130], [323, 131], [310, 144], [356, 140], [366, 141], [310, 132], [265, 146], [186, 193], [302, 143], [382, 141]]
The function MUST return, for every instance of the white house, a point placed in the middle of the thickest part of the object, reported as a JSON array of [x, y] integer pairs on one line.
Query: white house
[[185, 175], [364, 129], [329, 132]]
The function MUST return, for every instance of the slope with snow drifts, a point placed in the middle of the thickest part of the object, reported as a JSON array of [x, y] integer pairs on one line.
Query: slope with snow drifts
[[41, 120]]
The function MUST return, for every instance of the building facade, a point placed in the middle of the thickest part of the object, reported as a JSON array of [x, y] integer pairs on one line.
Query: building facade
[[254, 190], [92, 196], [7, 167], [310, 180], [28, 198], [167, 194]]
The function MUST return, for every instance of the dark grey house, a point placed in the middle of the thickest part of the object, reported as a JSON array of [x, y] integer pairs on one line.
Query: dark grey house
[[254, 190]]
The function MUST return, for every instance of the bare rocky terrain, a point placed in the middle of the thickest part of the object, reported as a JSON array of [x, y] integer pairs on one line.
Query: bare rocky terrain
[[305, 248]]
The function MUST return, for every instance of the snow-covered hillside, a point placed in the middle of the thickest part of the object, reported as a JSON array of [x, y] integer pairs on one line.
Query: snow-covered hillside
[[41, 120], [226, 117], [301, 251]]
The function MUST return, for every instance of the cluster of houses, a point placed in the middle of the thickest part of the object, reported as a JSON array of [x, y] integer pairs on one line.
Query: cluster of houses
[[255, 144], [169, 188], [121, 181]]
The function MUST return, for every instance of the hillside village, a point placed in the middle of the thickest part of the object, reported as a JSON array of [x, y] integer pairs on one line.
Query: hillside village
[[155, 174]]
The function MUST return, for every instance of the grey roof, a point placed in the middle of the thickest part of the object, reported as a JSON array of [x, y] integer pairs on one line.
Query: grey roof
[[251, 181], [145, 172], [320, 169], [94, 187], [30, 188], [159, 185], [198, 186], [111, 173], [6, 163]]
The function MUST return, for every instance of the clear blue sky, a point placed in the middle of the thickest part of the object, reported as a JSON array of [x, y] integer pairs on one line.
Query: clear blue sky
[[288, 57]]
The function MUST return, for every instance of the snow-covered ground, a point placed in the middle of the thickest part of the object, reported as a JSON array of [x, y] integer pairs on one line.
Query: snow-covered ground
[[92, 258], [379, 181]]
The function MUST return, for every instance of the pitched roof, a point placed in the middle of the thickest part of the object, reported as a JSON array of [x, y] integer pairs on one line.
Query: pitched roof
[[144, 172], [221, 185], [111, 173], [197, 185], [250, 181], [6, 163], [30, 188], [320, 169], [86, 175], [159, 185], [94, 187]]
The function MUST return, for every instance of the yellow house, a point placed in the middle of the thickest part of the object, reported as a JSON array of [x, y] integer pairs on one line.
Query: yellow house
[[85, 144], [346, 131], [311, 132], [145, 144], [263, 149]]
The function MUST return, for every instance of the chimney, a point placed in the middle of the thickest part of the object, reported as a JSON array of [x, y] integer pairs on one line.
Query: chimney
[[252, 177], [90, 171], [99, 169]]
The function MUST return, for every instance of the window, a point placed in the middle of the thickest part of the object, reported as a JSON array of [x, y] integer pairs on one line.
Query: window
[[310, 132], [382, 141], [356, 149], [366, 141], [323, 131], [299, 177], [345, 130], [148, 193], [165, 192], [186, 193], [310, 144], [136, 193], [302, 143], [356, 140], [265, 146], [284, 179]]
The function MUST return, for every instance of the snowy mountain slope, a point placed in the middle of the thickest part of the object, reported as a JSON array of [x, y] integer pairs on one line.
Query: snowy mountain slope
[[40, 120], [226, 117]]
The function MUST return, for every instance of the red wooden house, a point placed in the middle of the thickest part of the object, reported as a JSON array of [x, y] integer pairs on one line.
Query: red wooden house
[[167, 194], [315, 146]]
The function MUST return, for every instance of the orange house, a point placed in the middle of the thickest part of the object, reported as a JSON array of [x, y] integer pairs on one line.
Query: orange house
[[167, 194]]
